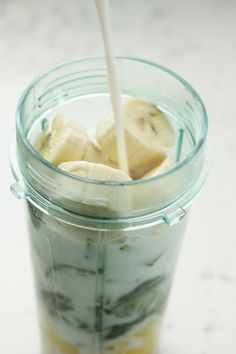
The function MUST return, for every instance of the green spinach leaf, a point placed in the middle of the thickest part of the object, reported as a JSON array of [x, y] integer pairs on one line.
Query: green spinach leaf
[[56, 302], [69, 269]]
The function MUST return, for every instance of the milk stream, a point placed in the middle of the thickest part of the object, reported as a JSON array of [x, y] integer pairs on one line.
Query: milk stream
[[114, 85]]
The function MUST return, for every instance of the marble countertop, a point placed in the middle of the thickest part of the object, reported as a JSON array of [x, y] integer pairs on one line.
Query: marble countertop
[[197, 40]]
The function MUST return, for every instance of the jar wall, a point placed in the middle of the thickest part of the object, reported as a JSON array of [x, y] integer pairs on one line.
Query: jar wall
[[98, 291], [104, 253]]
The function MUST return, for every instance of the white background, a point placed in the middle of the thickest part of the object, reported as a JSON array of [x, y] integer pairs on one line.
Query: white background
[[197, 39]]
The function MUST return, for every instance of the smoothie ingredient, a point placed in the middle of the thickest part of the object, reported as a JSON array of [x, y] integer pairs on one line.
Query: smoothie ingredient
[[129, 310], [88, 289], [114, 83], [148, 133], [56, 302], [141, 341], [36, 215], [94, 171], [69, 269], [93, 153], [52, 341], [61, 308], [165, 166], [124, 248], [141, 302], [149, 139], [62, 140], [153, 261]]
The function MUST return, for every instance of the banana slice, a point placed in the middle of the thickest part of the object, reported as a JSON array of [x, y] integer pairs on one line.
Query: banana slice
[[96, 198], [165, 166], [93, 152], [62, 140], [94, 171], [149, 136]]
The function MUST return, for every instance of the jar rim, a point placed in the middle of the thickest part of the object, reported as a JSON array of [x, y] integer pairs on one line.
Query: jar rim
[[199, 144]]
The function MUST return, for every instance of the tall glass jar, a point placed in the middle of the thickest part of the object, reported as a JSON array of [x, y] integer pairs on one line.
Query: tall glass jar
[[104, 253]]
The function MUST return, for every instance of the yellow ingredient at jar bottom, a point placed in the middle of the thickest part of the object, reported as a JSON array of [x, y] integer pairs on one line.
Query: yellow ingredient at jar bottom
[[50, 334], [140, 341], [143, 341]]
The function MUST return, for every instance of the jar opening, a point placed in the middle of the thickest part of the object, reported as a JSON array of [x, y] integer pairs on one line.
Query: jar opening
[[73, 82]]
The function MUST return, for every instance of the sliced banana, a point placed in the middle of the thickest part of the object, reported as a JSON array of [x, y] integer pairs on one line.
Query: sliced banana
[[62, 140], [97, 198], [149, 136], [111, 163], [165, 166], [93, 152], [95, 171]]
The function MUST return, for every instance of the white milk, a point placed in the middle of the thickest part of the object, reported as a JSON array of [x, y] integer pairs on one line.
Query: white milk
[[114, 85]]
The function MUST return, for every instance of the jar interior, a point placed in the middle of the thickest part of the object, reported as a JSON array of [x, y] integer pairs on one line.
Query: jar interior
[[80, 91], [89, 110]]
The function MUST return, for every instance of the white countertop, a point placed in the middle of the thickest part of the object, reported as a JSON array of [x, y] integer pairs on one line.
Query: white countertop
[[197, 40]]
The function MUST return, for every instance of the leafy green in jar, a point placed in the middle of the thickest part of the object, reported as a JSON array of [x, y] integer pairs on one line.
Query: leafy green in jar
[[145, 299], [124, 248], [35, 215], [152, 262], [89, 250], [131, 299], [118, 330], [73, 270], [60, 306], [56, 302]]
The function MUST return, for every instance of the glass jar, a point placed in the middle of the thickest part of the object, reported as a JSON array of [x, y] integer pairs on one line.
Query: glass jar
[[104, 253]]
